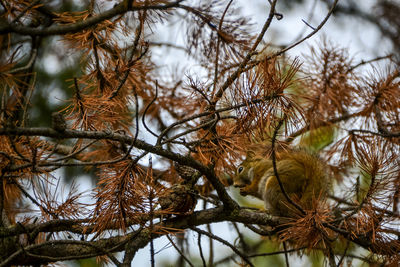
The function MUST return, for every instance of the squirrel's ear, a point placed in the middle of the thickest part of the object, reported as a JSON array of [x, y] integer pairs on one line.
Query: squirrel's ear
[[250, 154]]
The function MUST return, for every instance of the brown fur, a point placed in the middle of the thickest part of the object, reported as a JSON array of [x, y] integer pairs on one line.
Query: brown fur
[[303, 176]]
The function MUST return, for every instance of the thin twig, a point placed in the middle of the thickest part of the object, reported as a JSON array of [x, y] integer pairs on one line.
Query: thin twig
[[23, 12], [305, 22], [276, 174], [151, 213], [100, 77], [207, 113], [286, 254], [245, 247], [308, 36], [242, 65], [331, 256], [31, 61], [379, 118], [3, 217], [28, 101], [203, 260], [146, 109], [210, 244], [239, 253], [276, 252], [179, 251], [364, 62], [344, 254], [15, 149], [218, 44], [344, 117], [79, 99], [132, 61], [201, 126], [260, 231], [362, 202], [73, 154], [384, 134], [309, 18]]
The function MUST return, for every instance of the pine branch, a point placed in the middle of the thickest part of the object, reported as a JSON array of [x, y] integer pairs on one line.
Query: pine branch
[[108, 135], [118, 9]]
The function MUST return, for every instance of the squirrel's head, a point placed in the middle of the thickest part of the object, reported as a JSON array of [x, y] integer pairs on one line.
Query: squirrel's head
[[244, 174], [252, 167]]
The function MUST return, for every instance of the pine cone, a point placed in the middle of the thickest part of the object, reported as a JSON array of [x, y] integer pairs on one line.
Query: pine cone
[[58, 122], [185, 172], [179, 199]]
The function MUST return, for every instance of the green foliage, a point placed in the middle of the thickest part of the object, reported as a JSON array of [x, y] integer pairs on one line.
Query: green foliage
[[362, 185], [317, 139], [91, 262], [274, 260]]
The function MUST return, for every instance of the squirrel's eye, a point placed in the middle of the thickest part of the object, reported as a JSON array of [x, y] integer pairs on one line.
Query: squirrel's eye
[[240, 169]]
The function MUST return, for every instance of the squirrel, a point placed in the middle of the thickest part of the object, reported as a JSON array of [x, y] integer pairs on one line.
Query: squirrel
[[303, 175]]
